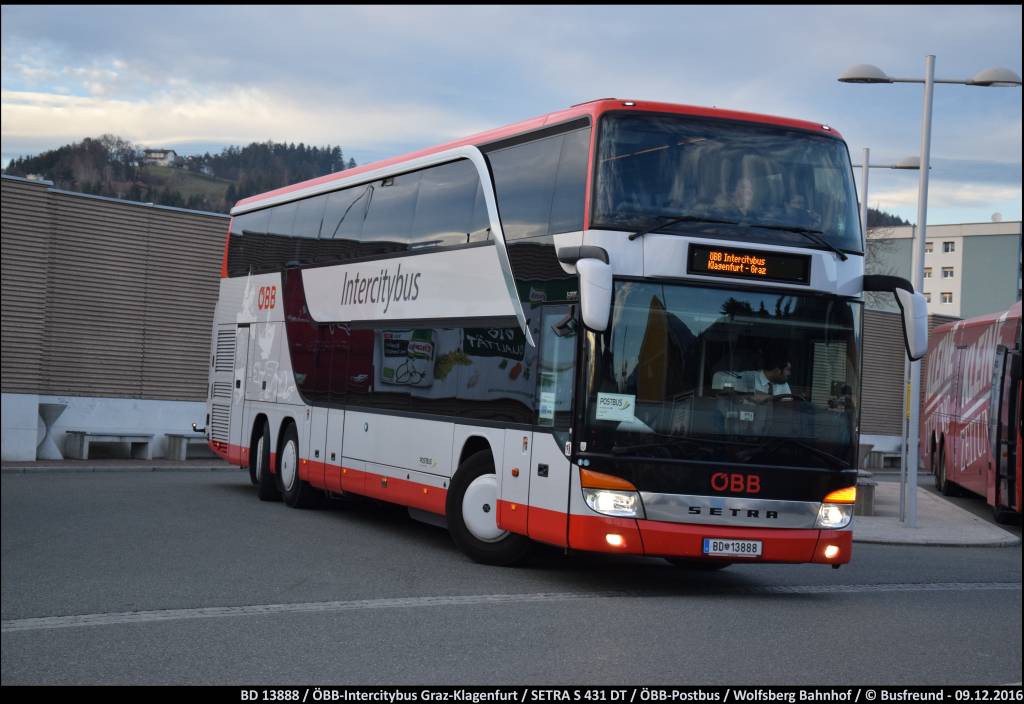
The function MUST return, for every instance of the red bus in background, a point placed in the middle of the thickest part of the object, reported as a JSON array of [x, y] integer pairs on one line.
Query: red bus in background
[[971, 414]]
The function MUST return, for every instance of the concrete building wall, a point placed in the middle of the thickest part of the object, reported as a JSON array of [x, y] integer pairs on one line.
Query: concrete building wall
[[992, 265], [984, 266]]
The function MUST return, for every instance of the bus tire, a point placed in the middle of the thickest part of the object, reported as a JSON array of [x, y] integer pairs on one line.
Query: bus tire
[[295, 492], [1005, 515], [688, 563], [259, 452], [945, 486], [266, 485], [471, 509]]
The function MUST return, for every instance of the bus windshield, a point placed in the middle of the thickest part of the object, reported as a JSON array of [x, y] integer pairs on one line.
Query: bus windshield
[[721, 375], [723, 179]]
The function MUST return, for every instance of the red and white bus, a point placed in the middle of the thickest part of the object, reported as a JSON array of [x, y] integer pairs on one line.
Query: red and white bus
[[624, 327], [972, 404]]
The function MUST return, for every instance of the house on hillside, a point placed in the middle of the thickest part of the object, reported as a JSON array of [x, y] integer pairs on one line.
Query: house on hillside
[[161, 157]]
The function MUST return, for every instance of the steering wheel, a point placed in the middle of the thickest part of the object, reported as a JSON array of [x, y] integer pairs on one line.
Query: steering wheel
[[781, 397], [789, 397]]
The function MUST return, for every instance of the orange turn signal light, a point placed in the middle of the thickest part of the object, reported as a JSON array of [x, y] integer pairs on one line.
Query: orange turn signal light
[[842, 496], [615, 540], [596, 480]]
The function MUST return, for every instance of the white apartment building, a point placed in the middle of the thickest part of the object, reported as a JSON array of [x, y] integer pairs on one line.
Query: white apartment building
[[970, 269]]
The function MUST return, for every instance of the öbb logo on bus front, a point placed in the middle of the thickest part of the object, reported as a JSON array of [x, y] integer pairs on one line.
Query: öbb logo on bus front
[[267, 297], [736, 483]]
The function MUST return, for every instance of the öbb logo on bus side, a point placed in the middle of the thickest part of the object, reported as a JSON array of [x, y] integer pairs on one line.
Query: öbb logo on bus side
[[267, 297], [736, 483]]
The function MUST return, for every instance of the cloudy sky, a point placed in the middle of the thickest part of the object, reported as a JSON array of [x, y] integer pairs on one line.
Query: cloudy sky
[[383, 80]]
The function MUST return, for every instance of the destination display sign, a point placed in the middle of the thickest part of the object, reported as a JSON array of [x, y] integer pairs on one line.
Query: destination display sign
[[708, 260]]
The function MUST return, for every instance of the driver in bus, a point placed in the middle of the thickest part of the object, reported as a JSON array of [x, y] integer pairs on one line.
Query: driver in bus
[[769, 382]]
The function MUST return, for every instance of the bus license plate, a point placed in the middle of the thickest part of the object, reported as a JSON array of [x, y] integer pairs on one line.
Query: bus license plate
[[733, 548]]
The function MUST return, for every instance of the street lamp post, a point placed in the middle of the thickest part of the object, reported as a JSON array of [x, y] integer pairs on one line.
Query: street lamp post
[[866, 73]]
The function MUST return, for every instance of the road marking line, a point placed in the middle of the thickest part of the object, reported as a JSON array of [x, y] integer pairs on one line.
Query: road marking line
[[129, 617]]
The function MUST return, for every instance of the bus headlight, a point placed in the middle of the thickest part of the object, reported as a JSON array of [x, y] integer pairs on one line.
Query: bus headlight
[[834, 516], [625, 504]]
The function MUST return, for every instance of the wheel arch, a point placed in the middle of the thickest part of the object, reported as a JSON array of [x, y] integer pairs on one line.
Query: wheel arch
[[285, 423], [472, 445]]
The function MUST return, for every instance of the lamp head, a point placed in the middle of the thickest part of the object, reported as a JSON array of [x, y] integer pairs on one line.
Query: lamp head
[[864, 73], [996, 77], [908, 162]]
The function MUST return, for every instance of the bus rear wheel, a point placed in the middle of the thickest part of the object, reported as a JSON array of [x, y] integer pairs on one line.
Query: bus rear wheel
[[295, 492], [472, 508]]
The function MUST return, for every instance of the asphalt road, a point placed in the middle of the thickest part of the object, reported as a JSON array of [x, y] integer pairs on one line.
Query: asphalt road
[[186, 578]]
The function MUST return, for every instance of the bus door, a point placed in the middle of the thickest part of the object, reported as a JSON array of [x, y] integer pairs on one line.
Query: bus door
[[550, 468], [955, 465], [1003, 423]]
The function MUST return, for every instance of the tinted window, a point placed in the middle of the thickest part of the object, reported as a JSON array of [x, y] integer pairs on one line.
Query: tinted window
[[524, 177], [250, 251], [442, 205], [735, 180], [571, 183], [541, 184], [392, 205], [344, 213], [309, 216], [445, 207]]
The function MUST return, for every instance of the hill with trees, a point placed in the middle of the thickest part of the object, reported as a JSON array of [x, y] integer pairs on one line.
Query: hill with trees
[[112, 166]]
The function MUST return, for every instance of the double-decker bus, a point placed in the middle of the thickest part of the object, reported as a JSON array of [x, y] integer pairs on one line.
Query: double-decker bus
[[970, 423], [625, 327]]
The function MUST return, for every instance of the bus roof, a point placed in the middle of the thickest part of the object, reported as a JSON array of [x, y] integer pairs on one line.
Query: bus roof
[[1012, 313], [592, 109]]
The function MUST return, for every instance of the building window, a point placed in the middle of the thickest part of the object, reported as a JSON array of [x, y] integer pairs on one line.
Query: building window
[[928, 296], [928, 247], [947, 297], [927, 272], [947, 272], [949, 246]]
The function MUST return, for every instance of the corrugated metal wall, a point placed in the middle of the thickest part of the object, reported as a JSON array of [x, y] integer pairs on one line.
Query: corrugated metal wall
[[882, 376], [120, 298], [25, 232], [882, 383]]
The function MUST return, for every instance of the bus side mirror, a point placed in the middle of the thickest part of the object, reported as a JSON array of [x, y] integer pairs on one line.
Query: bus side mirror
[[913, 307], [595, 293]]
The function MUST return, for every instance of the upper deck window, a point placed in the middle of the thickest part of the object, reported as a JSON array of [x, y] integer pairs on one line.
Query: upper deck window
[[759, 181], [541, 184]]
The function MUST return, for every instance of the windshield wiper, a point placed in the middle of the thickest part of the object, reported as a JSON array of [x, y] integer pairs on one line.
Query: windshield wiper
[[668, 440], [668, 220], [813, 235], [839, 462]]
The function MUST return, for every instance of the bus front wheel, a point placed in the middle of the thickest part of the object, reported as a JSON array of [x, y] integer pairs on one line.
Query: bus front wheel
[[945, 487], [472, 508], [259, 465]]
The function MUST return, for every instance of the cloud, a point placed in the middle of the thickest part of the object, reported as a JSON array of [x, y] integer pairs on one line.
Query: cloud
[[946, 194], [240, 115]]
